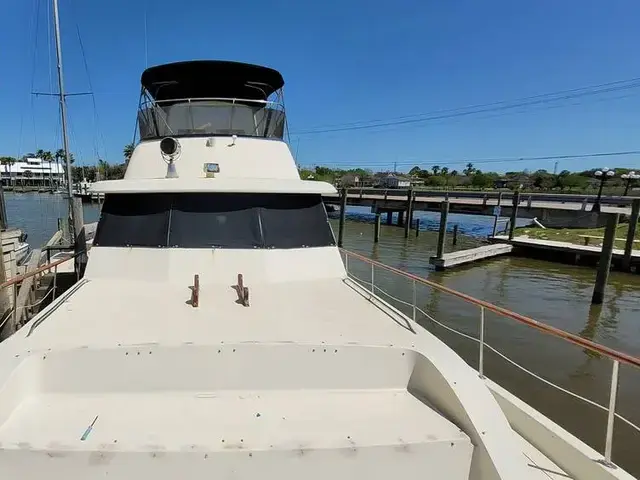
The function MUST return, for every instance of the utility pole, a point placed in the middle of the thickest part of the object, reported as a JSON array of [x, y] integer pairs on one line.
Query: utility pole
[[555, 168]]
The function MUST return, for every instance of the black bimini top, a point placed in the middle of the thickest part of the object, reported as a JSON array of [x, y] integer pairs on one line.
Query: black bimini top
[[211, 79]]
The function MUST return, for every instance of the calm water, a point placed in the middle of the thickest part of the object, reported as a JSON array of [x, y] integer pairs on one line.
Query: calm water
[[37, 214], [553, 293]]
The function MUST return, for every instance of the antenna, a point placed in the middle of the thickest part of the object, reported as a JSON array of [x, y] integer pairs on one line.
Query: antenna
[[146, 43]]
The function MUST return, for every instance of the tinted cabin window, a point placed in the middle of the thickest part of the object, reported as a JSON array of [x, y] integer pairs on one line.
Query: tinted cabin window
[[223, 221], [294, 221], [134, 221], [213, 220]]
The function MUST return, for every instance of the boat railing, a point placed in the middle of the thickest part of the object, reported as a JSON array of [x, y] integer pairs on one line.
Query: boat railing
[[16, 311], [211, 116], [614, 356]]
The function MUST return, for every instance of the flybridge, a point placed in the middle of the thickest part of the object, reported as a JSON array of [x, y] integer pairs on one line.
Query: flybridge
[[209, 97]]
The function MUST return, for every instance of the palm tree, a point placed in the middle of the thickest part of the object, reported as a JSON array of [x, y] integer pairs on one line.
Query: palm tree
[[444, 171], [128, 151], [454, 173], [435, 169], [7, 162], [48, 157], [61, 155], [469, 170], [103, 170]]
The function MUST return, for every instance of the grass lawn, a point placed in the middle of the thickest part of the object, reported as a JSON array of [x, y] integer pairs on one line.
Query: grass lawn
[[572, 235]]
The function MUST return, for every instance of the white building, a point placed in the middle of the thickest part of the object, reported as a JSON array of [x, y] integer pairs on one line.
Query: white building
[[32, 171], [393, 181]]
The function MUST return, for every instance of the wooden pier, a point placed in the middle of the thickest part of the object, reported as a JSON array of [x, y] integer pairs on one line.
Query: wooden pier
[[461, 257], [578, 251]]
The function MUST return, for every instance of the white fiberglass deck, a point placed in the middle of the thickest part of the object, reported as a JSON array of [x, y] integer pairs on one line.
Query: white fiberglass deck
[[229, 420], [264, 384]]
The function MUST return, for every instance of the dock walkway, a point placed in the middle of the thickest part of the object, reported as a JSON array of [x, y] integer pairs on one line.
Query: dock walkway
[[552, 246], [461, 257]]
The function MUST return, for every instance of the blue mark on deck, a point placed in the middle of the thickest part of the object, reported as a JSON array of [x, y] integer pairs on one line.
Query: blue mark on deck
[[88, 430]]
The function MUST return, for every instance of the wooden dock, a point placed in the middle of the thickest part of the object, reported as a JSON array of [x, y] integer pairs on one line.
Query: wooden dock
[[461, 257], [563, 248]]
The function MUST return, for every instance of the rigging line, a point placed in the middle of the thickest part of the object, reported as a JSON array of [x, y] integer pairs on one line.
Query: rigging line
[[470, 112], [29, 34], [49, 20], [96, 119], [47, 94], [33, 71], [450, 110]]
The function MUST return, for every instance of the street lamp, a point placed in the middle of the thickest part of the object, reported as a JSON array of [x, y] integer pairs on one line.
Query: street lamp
[[604, 175], [629, 177]]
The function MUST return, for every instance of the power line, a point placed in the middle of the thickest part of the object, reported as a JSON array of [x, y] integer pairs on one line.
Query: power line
[[482, 160], [482, 108]]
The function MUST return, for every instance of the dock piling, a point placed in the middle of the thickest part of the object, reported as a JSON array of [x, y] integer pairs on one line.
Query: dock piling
[[455, 235], [514, 214], [389, 217], [401, 218], [633, 225], [376, 229], [3, 210], [442, 232], [343, 212], [79, 242], [407, 224], [604, 265], [417, 227]]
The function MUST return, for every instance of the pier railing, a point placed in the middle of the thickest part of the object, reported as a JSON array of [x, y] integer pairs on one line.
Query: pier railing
[[489, 197], [614, 356]]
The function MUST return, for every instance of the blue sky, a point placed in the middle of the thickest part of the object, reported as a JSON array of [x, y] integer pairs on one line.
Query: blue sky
[[343, 62]]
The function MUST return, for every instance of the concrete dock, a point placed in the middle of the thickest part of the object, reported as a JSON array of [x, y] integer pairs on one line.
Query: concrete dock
[[454, 259]]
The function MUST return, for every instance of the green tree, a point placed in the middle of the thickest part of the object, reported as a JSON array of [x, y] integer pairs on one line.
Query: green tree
[[127, 152], [323, 171], [543, 180], [436, 181], [61, 157], [117, 171], [572, 180], [435, 169], [444, 171], [482, 180], [103, 170], [415, 171], [469, 170]]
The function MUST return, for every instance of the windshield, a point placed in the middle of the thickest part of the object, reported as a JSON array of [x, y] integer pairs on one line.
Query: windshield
[[252, 118], [213, 220]]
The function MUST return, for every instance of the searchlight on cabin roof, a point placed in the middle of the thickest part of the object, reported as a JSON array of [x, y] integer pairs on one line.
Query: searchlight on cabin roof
[[170, 149]]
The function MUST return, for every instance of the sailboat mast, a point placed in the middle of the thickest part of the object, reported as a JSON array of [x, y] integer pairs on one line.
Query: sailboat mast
[[63, 106]]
